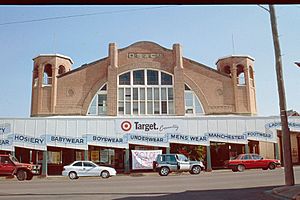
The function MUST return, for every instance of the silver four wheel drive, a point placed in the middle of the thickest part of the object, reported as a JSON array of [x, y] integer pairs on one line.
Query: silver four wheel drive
[[166, 163]]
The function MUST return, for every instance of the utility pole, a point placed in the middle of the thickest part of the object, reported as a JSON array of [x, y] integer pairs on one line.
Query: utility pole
[[286, 139]]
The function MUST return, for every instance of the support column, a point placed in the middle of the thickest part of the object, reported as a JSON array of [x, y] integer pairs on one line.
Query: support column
[[178, 80], [277, 156], [112, 76], [234, 84], [126, 162], [247, 148], [86, 154], [167, 150], [44, 164], [208, 159], [13, 153]]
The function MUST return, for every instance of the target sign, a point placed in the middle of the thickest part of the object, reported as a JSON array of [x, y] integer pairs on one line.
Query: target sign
[[126, 126]]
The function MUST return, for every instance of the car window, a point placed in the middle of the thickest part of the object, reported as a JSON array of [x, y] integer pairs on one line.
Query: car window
[[88, 164], [247, 157], [170, 158], [78, 164], [256, 157], [4, 160], [182, 157]]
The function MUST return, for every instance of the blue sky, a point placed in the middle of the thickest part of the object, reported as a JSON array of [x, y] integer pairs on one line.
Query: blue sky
[[205, 32]]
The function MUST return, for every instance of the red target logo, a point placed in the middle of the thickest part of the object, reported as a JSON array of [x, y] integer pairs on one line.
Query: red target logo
[[126, 126]]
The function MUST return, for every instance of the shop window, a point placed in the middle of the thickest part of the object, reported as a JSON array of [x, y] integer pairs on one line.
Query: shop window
[[54, 157], [107, 156], [79, 155], [95, 156]]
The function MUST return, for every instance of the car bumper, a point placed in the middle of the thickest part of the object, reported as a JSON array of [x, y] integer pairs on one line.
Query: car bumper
[[64, 173]]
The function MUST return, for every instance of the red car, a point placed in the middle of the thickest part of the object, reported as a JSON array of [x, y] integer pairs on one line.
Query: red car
[[10, 166], [251, 161]]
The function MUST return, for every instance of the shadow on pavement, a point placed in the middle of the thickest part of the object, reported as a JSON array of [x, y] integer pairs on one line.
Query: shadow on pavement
[[259, 193]]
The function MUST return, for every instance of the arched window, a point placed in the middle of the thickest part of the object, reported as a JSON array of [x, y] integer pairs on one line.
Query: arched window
[[47, 76], [99, 103], [192, 103], [35, 76], [145, 92], [61, 70], [251, 73], [240, 75], [227, 70]]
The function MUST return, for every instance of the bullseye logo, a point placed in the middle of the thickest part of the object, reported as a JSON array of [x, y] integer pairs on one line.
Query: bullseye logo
[[126, 126]]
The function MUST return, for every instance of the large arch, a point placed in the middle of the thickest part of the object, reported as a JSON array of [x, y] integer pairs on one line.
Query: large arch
[[203, 100], [89, 97]]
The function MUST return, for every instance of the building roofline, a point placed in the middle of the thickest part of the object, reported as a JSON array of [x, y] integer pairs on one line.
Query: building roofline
[[54, 55], [146, 42], [206, 67], [235, 56]]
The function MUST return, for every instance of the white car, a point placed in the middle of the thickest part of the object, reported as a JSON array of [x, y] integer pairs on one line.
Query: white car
[[87, 168]]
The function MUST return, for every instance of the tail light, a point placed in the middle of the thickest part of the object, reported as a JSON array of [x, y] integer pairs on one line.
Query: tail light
[[154, 164]]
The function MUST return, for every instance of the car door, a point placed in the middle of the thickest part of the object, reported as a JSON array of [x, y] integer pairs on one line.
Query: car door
[[90, 169], [78, 168], [246, 161], [184, 163], [171, 162], [259, 161], [6, 166]]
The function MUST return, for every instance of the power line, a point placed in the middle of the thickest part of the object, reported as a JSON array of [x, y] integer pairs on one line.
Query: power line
[[82, 15]]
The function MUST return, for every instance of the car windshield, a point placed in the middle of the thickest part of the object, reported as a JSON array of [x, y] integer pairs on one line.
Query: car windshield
[[14, 159]]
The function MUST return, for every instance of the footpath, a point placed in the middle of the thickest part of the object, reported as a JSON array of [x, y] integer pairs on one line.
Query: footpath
[[286, 192]]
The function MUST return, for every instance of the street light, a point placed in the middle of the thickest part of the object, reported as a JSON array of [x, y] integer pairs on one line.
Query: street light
[[298, 64]]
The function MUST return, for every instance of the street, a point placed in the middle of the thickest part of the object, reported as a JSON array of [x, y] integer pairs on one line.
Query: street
[[219, 184]]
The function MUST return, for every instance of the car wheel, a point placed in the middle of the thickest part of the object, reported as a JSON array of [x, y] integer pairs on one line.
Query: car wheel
[[164, 171], [272, 166], [21, 175], [195, 170], [29, 176], [105, 174], [73, 175], [240, 168], [234, 169]]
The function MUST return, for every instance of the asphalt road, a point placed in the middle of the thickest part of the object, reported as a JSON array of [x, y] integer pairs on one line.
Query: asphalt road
[[248, 185]]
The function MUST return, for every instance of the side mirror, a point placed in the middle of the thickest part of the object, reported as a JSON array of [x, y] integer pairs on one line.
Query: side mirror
[[261, 158]]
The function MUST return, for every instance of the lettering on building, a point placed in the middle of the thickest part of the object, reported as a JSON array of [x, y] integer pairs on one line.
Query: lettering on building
[[4, 128], [144, 55], [28, 139], [67, 140], [4, 142], [146, 126], [107, 139]]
